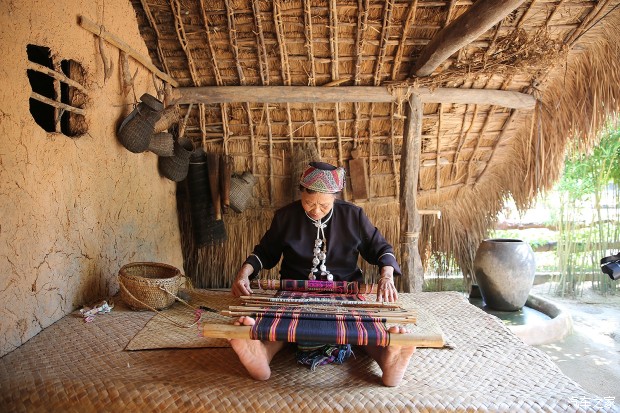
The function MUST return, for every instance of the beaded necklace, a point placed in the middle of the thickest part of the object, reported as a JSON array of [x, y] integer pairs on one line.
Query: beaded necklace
[[320, 249]]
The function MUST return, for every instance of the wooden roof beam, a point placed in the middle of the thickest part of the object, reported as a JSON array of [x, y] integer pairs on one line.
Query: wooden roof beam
[[482, 15], [376, 94]]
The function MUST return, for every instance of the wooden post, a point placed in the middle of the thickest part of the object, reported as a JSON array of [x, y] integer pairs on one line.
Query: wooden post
[[410, 221]]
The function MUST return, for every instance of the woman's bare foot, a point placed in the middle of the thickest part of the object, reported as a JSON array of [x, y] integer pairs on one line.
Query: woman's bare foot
[[393, 360], [255, 355]]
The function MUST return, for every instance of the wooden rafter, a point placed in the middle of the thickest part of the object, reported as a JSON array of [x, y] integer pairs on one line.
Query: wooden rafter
[[409, 21], [499, 140], [232, 37], [153, 25], [377, 94], [333, 38], [309, 41], [362, 22], [483, 15], [592, 16], [260, 40], [175, 6], [279, 27], [212, 54], [385, 32]]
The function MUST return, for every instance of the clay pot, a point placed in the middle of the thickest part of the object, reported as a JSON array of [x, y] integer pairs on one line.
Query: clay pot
[[505, 270]]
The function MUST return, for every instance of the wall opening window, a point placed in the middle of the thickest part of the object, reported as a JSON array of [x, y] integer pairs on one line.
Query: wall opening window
[[58, 96]]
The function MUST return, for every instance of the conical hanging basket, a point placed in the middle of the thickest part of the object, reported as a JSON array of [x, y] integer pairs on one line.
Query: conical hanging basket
[[175, 167]]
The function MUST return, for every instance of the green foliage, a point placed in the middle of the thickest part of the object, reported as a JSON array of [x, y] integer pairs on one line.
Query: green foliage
[[583, 189]]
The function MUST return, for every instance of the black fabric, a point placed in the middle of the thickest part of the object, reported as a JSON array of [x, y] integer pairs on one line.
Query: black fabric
[[349, 234]]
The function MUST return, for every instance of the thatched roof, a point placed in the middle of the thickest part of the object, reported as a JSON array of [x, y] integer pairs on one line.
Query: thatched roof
[[564, 53]]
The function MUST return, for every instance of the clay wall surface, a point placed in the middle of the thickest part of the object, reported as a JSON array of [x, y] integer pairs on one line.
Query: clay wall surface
[[73, 209]]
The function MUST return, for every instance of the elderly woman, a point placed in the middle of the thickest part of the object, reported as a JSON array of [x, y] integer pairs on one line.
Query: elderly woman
[[320, 237]]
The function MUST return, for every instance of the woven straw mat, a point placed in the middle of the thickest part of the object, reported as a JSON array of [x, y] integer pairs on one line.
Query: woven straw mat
[[73, 366], [165, 329]]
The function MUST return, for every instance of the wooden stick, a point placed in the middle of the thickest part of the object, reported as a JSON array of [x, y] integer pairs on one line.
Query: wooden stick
[[327, 309], [55, 104], [117, 42], [228, 331]]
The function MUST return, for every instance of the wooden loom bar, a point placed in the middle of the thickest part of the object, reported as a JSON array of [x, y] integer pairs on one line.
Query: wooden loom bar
[[376, 94], [483, 15], [117, 42], [228, 331]]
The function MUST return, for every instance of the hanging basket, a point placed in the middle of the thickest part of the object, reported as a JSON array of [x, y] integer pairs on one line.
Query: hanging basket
[[241, 191], [149, 285], [169, 116], [136, 130], [175, 167], [162, 144]]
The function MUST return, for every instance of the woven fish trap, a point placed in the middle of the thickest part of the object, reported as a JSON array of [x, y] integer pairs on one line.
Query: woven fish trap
[[149, 285], [162, 144]]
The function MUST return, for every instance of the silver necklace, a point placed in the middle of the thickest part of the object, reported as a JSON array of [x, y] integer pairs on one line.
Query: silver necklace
[[320, 249]]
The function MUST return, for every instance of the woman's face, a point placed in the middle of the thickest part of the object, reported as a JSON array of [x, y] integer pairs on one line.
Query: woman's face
[[317, 204]]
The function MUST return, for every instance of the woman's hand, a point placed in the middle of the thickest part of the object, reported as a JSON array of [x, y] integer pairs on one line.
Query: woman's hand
[[241, 285], [387, 290]]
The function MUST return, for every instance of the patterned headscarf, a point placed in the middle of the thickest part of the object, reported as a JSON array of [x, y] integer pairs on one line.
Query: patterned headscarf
[[323, 177]]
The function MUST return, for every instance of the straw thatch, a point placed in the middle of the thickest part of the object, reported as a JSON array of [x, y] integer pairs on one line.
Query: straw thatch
[[473, 155]]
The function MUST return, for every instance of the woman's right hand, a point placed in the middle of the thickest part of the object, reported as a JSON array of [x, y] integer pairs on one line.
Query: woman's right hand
[[241, 284]]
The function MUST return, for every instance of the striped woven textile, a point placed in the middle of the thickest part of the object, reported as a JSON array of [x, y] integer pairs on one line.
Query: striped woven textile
[[340, 287], [297, 326]]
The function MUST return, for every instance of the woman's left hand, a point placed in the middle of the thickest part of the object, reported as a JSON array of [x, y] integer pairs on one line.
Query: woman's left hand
[[386, 290]]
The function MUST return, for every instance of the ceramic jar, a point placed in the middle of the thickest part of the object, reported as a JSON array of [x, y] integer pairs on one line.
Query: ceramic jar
[[505, 270]]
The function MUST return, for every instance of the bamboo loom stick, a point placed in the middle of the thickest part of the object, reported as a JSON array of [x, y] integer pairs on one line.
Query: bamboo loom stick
[[228, 331], [400, 312], [344, 303], [275, 285]]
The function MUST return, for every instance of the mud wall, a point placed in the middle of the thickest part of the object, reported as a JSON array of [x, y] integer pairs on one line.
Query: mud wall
[[73, 209]]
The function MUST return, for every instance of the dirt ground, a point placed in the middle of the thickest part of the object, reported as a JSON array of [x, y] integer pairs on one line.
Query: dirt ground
[[591, 354]]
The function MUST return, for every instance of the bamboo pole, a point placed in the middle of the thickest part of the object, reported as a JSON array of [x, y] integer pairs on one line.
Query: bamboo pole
[[120, 44]]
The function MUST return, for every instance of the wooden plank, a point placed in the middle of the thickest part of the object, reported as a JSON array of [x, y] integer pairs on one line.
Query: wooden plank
[[410, 221], [482, 15], [369, 94], [229, 331], [358, 173], [96, 29]]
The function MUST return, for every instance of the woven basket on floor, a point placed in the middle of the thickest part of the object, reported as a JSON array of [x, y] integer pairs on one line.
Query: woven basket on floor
[[149, 285]]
